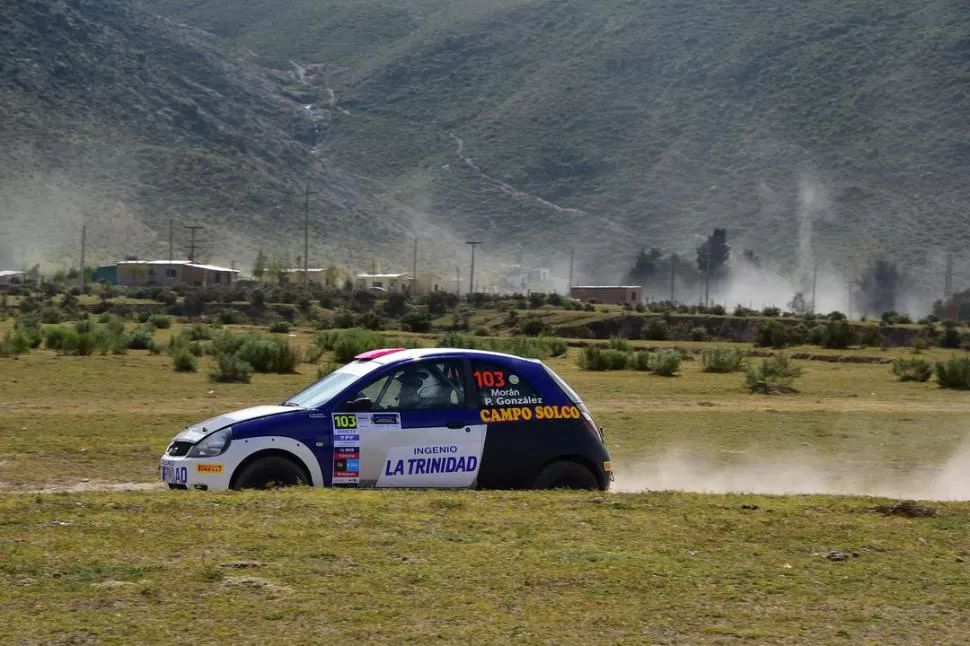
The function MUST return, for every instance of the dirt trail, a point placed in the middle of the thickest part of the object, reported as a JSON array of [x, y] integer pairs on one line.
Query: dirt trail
[[85, 486]]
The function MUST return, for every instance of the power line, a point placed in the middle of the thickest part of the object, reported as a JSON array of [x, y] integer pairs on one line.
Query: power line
[[306, 234], [193, 228]]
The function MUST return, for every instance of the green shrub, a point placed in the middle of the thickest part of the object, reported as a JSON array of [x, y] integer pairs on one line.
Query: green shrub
[[954, 373], [640, 361], [776, 375], [531, 347], [772, 334], [656, 330], [721, 360], [416, 322], [598, 358], [160, 321], [51, 315], [280, 327], [141, 338], [460, 340], [184, 360], [699, 333], [665, 363], [620, 343], [55, 337], [230, 316], [839, 335], [14, 344], [346, 344], [533, 326], [912, 369], [225, 342], [267, 354], [231, 369], [154, 348]]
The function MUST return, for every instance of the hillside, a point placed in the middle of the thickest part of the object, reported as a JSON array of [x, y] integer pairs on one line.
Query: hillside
[[125, 120], [837, 126]]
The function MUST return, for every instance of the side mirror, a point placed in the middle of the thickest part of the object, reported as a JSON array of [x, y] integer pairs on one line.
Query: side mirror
[[359, 404]]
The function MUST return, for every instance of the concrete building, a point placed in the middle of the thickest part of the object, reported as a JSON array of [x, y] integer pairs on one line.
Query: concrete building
[[12, 277], [174, 272], [329, 276], [392, 283], [608, 294]]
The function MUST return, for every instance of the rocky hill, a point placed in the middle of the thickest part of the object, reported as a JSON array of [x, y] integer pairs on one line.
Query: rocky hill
[[821, 130], [116, 117]]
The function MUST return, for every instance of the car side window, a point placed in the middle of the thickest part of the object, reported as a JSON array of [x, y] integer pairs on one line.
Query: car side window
[[496, 385], [426, 385]]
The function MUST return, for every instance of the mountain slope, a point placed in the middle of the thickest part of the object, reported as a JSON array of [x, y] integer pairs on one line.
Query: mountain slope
[[620, 123], [126, 120]]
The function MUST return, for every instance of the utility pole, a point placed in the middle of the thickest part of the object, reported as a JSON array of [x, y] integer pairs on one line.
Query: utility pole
[[84, 232], [171, 257], [814, 282], [848, 315], [192, 228], [458, 280], [948, 278], [673, 263], [572, 255], [414, 270], [306, 235], [471, 279]]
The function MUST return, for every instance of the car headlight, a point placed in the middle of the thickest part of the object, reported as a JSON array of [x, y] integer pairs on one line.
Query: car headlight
[[212, 445]]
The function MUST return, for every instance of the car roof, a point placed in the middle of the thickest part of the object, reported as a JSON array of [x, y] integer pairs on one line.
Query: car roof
[[387, 356]]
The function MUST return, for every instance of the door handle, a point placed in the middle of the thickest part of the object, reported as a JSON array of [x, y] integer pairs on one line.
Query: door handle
[[455, 424]]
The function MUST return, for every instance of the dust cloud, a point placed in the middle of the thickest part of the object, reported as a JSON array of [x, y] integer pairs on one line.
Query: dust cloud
[[795, 473]]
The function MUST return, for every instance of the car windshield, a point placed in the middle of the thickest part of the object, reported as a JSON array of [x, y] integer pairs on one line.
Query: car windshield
[[330, 386]]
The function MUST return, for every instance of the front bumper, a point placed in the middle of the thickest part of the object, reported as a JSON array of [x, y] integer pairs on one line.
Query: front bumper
[[195, 473]]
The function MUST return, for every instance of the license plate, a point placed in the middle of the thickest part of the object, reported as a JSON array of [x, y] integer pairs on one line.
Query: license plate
[[174, 474]]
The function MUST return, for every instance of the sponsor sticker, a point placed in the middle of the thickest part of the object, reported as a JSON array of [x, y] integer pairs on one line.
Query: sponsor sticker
[[209, 468], [345, 421], [607, 465], [514, 380], [527, 414], [434, 465], [173, 474]]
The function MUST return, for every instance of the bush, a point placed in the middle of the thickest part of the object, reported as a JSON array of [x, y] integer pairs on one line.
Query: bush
[[640, 360], [231, 369], [772, 334], [198, 332], [721, 360], [141, 338], [160, 321], [51, 315], [267, 354], [598, 358], [280, 327], [346, 344], [15, 343], [533, 326], [954, 373], [871, 337], [56, 337], [776, 375], [771, 311], [184, 360], [836, 316], [665, 363], [699, 333], [416, 322], [656, 330], [839, 335], [530, 347], [229, 316], [460, 340], [619, 343], [912, 369]]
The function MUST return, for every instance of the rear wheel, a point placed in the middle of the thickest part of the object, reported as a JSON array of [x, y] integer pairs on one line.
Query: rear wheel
[[566, 475], [271, 472]]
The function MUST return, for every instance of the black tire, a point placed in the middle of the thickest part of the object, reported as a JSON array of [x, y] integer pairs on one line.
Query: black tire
[[271, 472], [566, 475]]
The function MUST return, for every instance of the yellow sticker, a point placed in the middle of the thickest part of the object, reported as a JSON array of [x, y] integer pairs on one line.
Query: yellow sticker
[[209, 468], [345, 421]]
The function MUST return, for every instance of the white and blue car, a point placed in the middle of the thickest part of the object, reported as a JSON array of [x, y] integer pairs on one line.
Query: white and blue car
[[441, 417]]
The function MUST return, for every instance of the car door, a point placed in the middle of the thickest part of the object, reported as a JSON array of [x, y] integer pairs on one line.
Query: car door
[[420, 430]]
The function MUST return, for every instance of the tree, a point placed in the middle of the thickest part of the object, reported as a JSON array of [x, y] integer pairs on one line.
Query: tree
[[713, 255], [750, 257], [645, 266], [259, 265]]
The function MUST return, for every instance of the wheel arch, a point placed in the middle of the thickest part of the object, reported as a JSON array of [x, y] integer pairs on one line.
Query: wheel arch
[[580, 460], [266, 453]]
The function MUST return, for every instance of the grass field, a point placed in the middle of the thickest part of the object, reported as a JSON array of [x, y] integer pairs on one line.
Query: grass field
[[116, 566]]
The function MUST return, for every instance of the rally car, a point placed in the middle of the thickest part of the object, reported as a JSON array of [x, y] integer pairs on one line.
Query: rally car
[[404, 418]]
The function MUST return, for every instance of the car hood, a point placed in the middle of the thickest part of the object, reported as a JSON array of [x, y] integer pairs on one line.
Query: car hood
[[196, 432]]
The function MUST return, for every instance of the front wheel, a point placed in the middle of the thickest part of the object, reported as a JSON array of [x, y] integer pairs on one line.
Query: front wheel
[[270, 472], [566, 475]]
